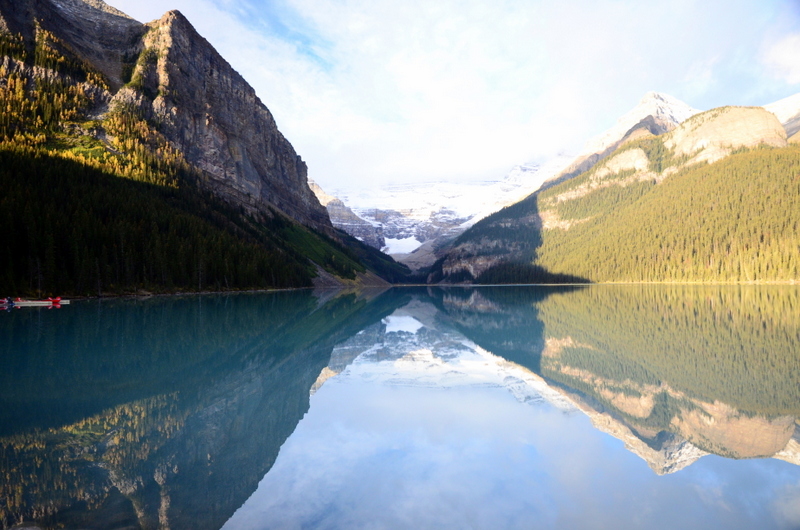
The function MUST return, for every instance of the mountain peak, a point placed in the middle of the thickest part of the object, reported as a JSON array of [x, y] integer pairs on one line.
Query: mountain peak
[[173, 15], [653, 95], [656, 111], [660, 97]]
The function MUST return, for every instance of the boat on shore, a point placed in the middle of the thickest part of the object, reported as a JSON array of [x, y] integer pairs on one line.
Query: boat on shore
[[8, 303]]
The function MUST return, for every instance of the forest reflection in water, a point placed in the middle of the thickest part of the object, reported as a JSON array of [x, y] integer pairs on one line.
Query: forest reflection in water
[[495, 407]]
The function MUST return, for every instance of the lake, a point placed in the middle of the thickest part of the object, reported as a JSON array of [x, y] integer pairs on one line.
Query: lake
[[605, 406]]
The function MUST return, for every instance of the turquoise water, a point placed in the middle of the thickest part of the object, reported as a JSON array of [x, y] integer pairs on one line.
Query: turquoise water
[[596, 407]]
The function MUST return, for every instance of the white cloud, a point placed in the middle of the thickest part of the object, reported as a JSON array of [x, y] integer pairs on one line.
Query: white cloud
[[783, 58], [786, 506], [370, 91]]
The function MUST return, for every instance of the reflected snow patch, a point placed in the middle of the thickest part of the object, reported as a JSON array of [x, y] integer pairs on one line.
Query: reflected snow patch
[[402, 323]]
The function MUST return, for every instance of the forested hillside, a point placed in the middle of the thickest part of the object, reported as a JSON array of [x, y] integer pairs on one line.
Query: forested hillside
[[73, 229], [730, 344], [660, 209], [735, 220]]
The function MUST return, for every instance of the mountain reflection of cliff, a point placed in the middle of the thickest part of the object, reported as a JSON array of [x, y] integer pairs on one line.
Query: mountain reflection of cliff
[[159, 413], [676, 372]]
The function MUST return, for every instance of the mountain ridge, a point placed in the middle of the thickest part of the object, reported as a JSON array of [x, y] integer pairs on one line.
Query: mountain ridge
[[656, 113], [636, 169]]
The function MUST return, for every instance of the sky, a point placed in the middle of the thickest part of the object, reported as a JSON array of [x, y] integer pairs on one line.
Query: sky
[[371, 92]]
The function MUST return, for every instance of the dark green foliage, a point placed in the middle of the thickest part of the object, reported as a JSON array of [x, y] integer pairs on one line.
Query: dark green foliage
[[731, 221], [147, 59], [53, 54], [684, 347], [735, 220], [69, 229], [601, 201], [322, 250], [69, 238], [657, 153], [13, 45], [523, 273], [508, 235]]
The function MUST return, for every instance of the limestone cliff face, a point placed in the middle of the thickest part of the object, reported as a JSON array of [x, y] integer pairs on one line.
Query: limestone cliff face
[[168, 74], [712, 135], [655, 114], [210, 113], [96, 32]]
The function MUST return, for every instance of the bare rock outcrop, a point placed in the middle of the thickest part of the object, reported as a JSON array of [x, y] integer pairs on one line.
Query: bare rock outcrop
[[655, 114], [714, 134], [213, 116], [171, 76], [96, 32]]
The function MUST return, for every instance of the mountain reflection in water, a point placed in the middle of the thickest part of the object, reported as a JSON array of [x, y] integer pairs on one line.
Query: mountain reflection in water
[[487, 407]]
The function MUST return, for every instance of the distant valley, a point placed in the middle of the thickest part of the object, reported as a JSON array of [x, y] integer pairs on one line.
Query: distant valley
[[412, 226]]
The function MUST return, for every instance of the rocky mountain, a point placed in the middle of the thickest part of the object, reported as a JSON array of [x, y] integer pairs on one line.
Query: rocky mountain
[[211, 115], [91, 29], [346, 219], [602, 225], [155, 103], [168, 74], [419, 235]]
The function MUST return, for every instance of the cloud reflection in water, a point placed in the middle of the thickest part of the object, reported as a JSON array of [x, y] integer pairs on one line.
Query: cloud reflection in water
[[384, 447]]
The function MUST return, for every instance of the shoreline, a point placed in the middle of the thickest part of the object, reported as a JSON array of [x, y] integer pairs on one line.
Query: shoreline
[[146, 294]]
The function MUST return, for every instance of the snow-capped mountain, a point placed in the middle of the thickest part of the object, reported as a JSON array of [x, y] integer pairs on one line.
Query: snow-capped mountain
[[411, 348], [345, 219], [408, 348], [416, 218], [788, 112], [656, 113]]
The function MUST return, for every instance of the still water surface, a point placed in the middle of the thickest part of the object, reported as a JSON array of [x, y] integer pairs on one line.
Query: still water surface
[[595, 407]]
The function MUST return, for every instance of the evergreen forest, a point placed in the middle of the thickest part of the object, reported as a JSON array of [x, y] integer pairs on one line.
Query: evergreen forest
[[732, 221]]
